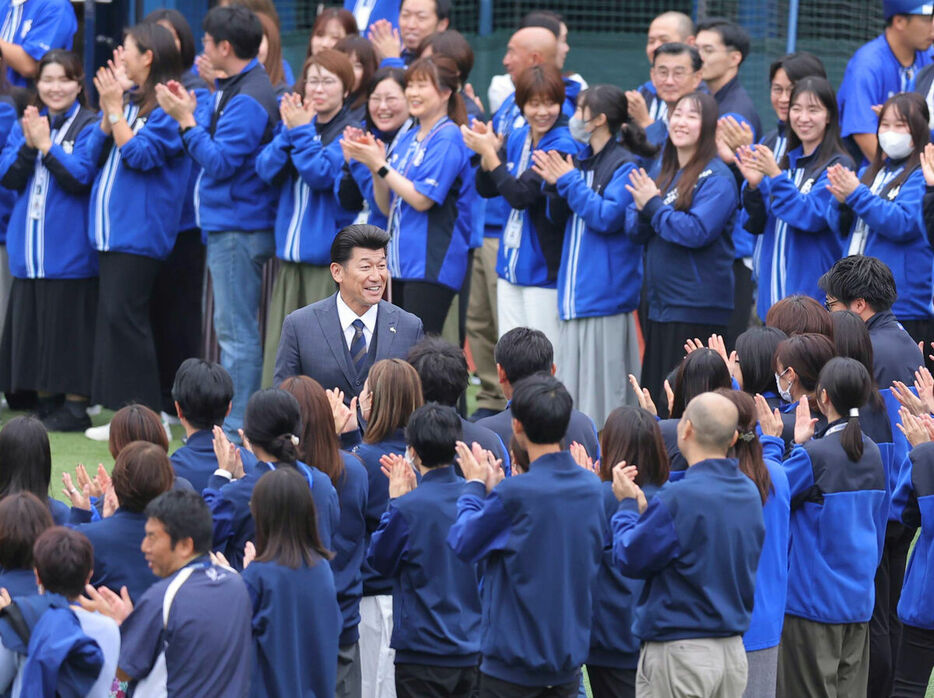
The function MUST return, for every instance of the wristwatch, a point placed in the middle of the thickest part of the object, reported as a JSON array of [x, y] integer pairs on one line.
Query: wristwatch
[[382, 171], [114, 118]]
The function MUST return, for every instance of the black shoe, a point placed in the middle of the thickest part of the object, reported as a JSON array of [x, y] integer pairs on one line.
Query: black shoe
[[49, 404], [483, 412], [72, 416]]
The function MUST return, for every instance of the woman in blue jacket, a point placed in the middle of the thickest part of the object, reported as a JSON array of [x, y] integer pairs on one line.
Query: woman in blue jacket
[[785, 199], [684, 218], [600, 276], [530, 248], [839, 506], [48, 342], [879, 213], [296, 619], [136, 204], [630, 434], [424, 187], [305, 161]]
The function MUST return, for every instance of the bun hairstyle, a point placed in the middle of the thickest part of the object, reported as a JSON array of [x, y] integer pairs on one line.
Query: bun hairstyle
[[272, 421], [611, 101], [848, 387]]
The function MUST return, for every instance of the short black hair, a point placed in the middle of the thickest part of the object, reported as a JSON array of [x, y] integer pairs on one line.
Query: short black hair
[[676, 48], [442, 368], [797, 66], [203, 391], [542, 405], [859, 276], [182, 29], [362, 235], [732, 35], [543, 18], [184, 514], [236, 24], [432, 432], [442, 9], [523, 352], [63, 559]]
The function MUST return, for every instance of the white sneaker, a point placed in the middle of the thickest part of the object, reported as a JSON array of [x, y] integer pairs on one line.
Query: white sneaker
[[95, 410], [169, 419], [167, 427], [101, 433]]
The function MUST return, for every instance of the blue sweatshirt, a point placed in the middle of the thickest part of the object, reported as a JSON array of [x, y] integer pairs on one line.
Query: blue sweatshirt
[[689, 254], [349, 545], [612, 642], [136, 202], [118, 560], [601, 267], [697, 546], [296, 622], [47, 233], [305, 163], [914, 501], [225, 143], [435, 594], [796, 244], [541, 538], [838, 519], [530, 247], [889, 225], [375, 584]]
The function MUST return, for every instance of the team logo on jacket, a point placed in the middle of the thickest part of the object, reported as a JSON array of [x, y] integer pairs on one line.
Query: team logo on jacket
[[807, 186], [892, 193], [670, 197]]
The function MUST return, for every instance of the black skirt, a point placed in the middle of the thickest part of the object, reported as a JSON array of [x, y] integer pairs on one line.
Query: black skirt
[[48, 336]]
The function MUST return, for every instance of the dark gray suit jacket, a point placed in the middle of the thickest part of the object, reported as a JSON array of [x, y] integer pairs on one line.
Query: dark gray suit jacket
[[313, 344]]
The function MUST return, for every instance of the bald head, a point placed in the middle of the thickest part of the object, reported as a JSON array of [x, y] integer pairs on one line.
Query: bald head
[[530, 46], [668, 27], [712, 427]]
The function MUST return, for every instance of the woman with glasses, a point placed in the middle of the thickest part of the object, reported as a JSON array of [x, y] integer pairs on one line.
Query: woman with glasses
[[304, 160]]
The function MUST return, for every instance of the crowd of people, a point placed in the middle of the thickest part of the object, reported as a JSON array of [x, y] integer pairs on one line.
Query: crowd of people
[[701, 450]]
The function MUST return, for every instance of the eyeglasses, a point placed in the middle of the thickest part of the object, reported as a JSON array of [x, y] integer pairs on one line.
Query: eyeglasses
[[779, 91], [677, 74], [328, 83], [391, 102], [830, 303]]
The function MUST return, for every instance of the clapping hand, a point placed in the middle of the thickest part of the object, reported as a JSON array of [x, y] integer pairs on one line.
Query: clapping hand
[[642, 188], [351, 133], [117, 66], [36, 129], [481, 138], [927, 164], [770, 421], [804, 423], [367, 150], [745, 161], [479, 464], [177, 103], [385, 39], [106, 602], [637, 108], [207, 71], [913, 427], [345, 417], [227, 453], [715, 343], [624, 484], [550, 166], [732, 135], [644, 396], [583, 459], [401, 476], [842, 181], [470, 94], [294, 111], [109, 90]]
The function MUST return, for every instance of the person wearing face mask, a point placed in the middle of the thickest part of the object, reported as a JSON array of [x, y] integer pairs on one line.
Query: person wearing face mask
[[785, 204], [600, 275], [797, 363], [880, 212], [684, 218], [304, 160]]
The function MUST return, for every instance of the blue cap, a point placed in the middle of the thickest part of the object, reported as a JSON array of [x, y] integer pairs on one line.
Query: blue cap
[[906, 7]]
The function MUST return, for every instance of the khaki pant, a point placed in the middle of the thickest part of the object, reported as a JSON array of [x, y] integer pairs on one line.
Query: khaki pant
[[822, 659], [481, 325], [712, 667]]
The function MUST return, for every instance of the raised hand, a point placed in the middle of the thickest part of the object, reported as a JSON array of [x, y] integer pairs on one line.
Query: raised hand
[[912, 427], [109, 90], [804, 423], [106, 602], [644, 396], [770, 421], [402, 478], [637, 108], [842, 181], [227, 453], [624, 484], [927, 164], [385, 39], [924, 384], [908, 399], [249, 554], [80, 498], [745, 161], [367, 150], [176, 102], [550, 166], [582, 458], [345, 417], [470, 94]]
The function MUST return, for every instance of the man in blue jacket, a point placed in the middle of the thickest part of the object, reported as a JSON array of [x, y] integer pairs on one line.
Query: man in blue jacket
[[234, 206], [435, 594], [540, 536], [697, 545]]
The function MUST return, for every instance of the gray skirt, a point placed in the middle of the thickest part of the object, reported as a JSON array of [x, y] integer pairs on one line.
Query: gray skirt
[[594, 358]]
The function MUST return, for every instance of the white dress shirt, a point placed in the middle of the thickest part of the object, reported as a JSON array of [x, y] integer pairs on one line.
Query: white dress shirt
[[347, 316]]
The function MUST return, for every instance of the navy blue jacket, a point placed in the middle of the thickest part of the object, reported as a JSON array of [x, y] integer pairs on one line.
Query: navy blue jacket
[[838, 518], [19, 582], [118, 560], [689, 254], [895, 355], [196, 462], [580, 429], [541, 537], [349, 545], [697, 546], [488, 439], [435, 594], [914, 501], [375, 584], [296, 622], [230, 195]]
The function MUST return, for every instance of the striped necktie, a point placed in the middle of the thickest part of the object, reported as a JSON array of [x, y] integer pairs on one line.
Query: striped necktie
[[358, 346]]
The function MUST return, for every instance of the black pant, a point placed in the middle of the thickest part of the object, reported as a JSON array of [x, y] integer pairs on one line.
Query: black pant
[[125, 366], [423, 681], [176, 310], [915, 660], [606, 682], [884, 627], [496, 688], [427, 300], [744, 289]]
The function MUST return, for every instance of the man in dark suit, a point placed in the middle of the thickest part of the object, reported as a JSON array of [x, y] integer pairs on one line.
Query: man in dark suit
[[335, 341], [523, 352]]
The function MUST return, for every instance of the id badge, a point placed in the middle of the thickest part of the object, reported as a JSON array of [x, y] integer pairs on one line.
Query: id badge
[[512, 235], [35, 202]]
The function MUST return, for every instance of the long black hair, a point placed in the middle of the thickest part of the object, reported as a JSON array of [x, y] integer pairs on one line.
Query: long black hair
[[611, 101], [848, 386], [701, 371], [706, 150], [914, 110], [822, 91], [25, 458], [755, 349], [166, 61]]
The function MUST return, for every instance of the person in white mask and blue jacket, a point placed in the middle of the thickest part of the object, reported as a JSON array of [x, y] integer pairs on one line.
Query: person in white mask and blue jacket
[[880, 212], [600, 275]]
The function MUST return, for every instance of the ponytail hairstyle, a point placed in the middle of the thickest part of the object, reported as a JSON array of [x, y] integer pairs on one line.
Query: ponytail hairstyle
[[441, 72], [705, 151], [611, 101], [748, 448], [848, 386], [701, 371], [166, 61], [273, 421], [913, 108], [632, 434]]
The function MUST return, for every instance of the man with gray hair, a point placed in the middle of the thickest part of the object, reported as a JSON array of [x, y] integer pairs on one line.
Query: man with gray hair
[[697, 545]]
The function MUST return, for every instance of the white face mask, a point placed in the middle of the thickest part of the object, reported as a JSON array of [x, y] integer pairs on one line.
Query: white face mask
[[784, 393], [895, 145], [578, 129]]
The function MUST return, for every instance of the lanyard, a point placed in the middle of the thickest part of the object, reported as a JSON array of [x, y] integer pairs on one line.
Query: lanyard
[[861, 231], [512, 234], [412, 157]]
